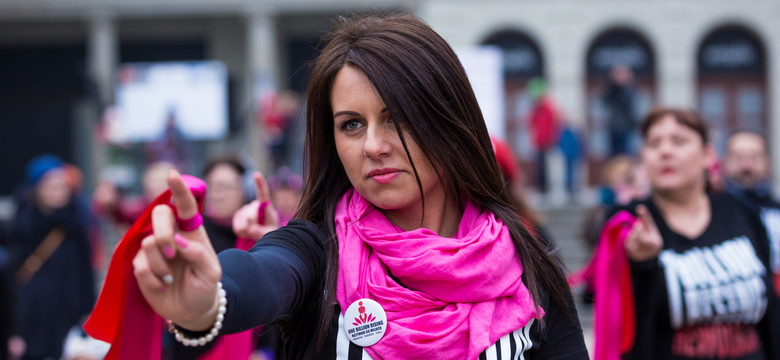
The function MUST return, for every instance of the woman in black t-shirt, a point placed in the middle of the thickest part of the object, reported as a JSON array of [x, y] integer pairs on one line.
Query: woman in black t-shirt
[[698, 259]]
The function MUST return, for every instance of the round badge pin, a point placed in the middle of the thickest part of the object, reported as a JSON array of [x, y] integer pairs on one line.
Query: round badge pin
[[365, 322]]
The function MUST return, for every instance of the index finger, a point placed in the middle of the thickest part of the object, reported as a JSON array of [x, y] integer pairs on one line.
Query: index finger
[[261, 186], [186, 205], [645, 216]]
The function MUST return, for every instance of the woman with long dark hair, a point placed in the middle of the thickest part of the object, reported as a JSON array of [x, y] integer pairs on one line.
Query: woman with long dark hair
[[405, 243]]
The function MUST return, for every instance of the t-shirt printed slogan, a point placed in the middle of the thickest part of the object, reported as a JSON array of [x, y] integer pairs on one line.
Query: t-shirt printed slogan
[[715, 295]]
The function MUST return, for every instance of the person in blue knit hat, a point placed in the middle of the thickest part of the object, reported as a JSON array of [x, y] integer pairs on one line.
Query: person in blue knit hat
[[40, 166], [51, 261]]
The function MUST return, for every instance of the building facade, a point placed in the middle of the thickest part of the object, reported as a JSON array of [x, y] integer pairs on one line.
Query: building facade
[[719, 57], [60, 60]]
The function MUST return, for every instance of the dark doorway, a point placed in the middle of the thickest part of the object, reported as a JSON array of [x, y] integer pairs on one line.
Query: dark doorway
[[615, 47], [39, 86], [301, 51], [172, 50], [523, 61]]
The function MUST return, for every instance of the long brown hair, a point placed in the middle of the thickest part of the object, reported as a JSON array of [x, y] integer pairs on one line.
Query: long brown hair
[[428, 94]]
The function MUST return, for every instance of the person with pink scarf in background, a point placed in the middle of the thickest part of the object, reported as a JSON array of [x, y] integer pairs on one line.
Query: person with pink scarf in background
[[683, 273], [405, 244]]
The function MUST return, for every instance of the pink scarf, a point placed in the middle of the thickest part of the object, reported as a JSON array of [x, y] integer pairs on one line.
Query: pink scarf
[[610, 275], [459, 295]]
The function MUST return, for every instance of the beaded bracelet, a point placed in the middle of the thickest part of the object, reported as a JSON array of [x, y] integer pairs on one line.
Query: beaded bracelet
[[213, 332]]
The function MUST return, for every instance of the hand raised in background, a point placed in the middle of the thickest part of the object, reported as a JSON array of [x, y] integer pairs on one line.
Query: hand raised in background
[[644, 242], [254, 220]]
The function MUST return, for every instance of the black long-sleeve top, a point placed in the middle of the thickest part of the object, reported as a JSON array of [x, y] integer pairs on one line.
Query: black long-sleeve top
[[286, 272]]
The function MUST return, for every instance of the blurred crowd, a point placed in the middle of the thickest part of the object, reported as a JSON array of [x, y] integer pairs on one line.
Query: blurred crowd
[[56, 249]]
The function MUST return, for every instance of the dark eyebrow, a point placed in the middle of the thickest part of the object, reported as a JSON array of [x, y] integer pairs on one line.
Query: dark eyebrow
[[346, 112], [353, 113]]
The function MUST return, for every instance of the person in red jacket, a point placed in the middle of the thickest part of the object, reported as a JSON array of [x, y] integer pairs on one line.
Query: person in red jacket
[[544, 123]]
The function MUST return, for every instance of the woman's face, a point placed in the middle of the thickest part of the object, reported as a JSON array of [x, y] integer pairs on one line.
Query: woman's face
[[371, 151], [53, 190], [286, 200], [675, 156], [226, 193]]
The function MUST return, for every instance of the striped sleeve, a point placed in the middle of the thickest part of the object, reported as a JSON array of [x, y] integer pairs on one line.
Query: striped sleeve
[[511, 346]]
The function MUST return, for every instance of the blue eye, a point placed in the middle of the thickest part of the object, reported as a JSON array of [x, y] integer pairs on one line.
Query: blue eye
[[350, 125]]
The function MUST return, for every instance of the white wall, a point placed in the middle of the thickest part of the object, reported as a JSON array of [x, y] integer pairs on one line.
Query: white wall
[[564, 29]]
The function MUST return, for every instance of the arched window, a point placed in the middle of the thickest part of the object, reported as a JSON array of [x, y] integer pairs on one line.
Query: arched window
[[732, 82], [610, 133], [522, 61]]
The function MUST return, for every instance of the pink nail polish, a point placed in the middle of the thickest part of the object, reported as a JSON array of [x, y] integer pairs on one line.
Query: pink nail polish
[[181, 241], [169, 252]]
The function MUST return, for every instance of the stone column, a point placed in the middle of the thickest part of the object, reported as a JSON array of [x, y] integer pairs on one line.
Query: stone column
[[102, 54], [102, 58], [262, 79], [772, 102], [676, 66]]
